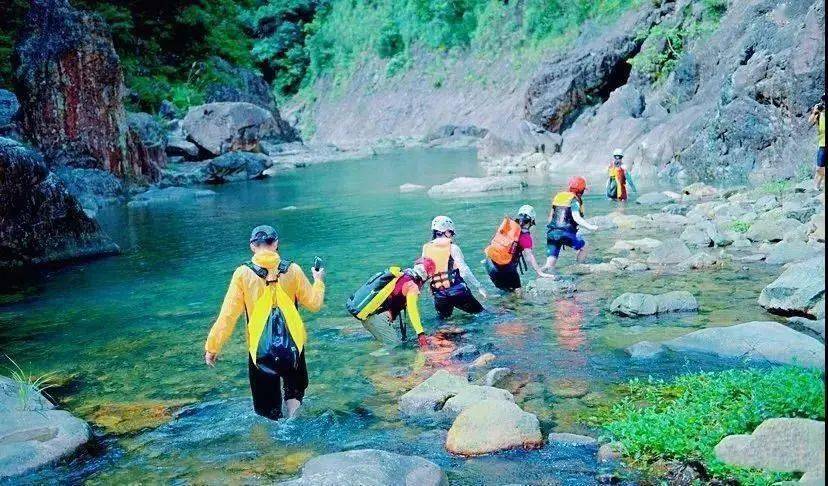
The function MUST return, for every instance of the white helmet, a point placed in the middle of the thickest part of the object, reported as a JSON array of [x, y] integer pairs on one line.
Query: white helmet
[[442, 224], [528, 211], [618, 153]]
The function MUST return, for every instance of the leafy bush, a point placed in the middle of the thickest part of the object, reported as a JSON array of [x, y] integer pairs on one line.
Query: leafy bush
[[777, 188], [740, 226], [685, 418]]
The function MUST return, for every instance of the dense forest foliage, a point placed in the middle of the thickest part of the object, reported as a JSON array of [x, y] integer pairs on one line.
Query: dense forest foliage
[[168, 48]]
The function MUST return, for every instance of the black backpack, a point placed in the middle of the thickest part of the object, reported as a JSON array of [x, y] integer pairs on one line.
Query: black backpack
[[277, 353]]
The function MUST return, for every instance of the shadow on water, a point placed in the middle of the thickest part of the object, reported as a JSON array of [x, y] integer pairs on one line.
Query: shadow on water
[[131, 329]]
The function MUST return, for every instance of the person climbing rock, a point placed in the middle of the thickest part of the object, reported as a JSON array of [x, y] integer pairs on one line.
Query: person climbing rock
[[618, 179], [268, 290], [448, 284], [510, 251], [565, 219], [817, 118], [381, 301]]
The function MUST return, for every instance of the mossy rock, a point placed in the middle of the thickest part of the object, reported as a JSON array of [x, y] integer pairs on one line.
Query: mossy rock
[[133, 417], [568, 388]]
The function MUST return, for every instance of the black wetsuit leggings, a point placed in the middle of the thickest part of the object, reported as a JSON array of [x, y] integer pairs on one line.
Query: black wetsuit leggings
[[267, 388], [458, 296]]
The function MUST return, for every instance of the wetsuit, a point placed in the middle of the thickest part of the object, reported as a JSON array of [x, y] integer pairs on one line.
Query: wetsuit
[[507, 277]]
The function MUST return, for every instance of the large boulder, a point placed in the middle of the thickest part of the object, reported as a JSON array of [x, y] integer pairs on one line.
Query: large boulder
[[463, 186], [786, 252], [42, 222], [70, 86], [491, 426], [790, 445], [218, 128], [636, 305], [756, 341], [236, 166], [797, 291], [369, 467], [33, 432], [771, 229]]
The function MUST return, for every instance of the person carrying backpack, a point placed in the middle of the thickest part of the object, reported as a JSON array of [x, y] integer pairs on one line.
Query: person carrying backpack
[[565, 219], [511, 250], [617, 177], [381, 301], [268, 290], [448, 284]]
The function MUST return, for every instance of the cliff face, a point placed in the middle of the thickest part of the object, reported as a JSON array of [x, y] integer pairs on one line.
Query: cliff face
[[733, 106], [70, 85]]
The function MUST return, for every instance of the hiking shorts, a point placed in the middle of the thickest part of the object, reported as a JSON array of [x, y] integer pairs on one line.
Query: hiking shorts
[[555, 240], [820, 158], [267, 388]]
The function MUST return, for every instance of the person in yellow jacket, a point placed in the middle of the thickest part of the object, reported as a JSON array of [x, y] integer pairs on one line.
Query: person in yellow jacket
[[260, 289], [817, 118]]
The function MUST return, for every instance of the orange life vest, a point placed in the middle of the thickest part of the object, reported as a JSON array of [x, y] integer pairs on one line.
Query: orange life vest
[[439, 250], [504, 244]]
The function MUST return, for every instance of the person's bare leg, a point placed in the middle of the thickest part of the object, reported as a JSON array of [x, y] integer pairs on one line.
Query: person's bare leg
[[583, 253], [819, 178], [292, 406], [550, 264]]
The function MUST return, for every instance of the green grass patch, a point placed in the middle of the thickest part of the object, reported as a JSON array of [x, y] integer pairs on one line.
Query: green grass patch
[[685, 418], [740, 226]]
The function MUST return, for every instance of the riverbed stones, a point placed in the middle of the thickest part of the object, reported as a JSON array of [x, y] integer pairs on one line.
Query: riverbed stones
[[780, 445], [637, 305], [491, 426], [369, 467], [443, 395], [755, 341], [572, 440], [797, 291], [672, 252], [482, 361], [700, 261], [466, 352], [546, 288], [568, 388], [218, 128], [32, 432], [771, 229], [463, 186], [497, 376], [643, 245]]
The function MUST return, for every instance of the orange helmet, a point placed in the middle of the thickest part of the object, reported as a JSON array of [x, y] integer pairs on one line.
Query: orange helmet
[[577, 185]]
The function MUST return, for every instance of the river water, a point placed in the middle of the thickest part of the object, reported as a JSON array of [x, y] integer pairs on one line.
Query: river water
[[130, 329]]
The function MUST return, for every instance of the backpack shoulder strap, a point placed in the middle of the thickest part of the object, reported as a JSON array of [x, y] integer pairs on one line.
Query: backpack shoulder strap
[[284, 266], [261, 272]]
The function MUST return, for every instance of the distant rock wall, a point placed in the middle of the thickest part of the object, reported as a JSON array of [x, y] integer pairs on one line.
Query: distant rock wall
[[70, 86]]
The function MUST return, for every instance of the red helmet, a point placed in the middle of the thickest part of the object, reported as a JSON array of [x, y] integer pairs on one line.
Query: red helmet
[[577, 185], [428, 264]]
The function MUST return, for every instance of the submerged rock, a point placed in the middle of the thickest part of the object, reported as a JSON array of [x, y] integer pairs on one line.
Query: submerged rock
[[491, 426], [636, 305], [32, 432], [473, 185], [797, 291], [168, 194], [545, 288], [411, 188], [653, 199], [32, 197], [645, 350], [133, 417], [756, 341], [780, 445], [369, 467]]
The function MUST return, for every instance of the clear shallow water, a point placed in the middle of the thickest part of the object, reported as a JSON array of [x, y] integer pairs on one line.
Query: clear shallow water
[[131, 329]]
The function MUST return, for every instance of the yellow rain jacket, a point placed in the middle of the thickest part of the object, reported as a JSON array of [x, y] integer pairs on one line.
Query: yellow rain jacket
[[245, 290]]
